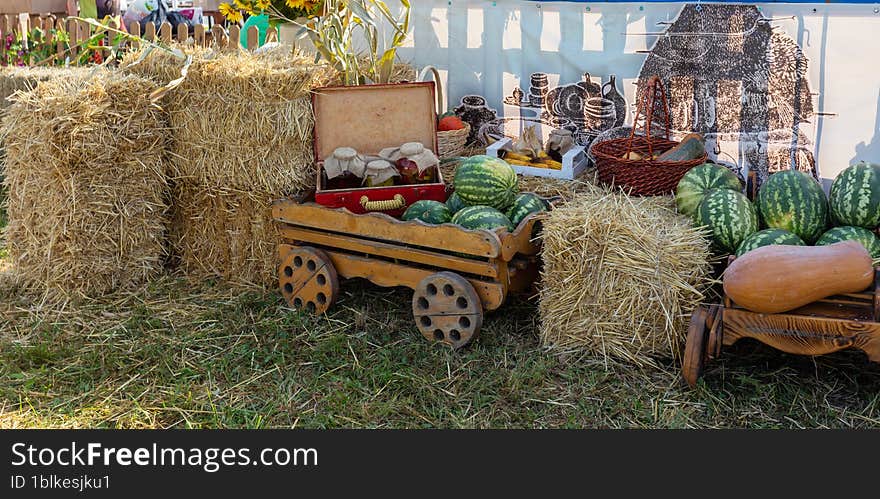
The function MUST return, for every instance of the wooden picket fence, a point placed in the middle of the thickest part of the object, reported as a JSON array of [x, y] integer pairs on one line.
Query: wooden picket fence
[[79, 32]]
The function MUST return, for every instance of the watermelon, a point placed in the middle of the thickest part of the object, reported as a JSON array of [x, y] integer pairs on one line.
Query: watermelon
[[768, 237], [486, 181], [454, 203], [794, 201], [855, 196], [524, 205], [849, 233], [698, 181], [730, 217], [432, 212], [481, 217]]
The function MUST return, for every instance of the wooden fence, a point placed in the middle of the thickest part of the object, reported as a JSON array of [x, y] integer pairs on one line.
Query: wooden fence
[[65, 37]]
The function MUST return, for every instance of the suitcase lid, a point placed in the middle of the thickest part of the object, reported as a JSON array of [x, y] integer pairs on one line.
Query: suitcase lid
[[370, 118]]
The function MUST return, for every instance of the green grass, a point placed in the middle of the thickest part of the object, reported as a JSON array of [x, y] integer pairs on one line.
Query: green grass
[[184, 355], [194, 356]]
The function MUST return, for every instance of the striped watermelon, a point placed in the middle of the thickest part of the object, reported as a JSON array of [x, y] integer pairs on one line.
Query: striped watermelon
[[729, 215], [432, 212], [481, 217], [454, 203], [486, 181], [698, 181], [524, 205], [768, 237], [855, 196], [794, 201], [846, 233]]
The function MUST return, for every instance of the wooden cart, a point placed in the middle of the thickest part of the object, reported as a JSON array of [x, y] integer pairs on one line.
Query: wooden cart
[[455, 273], [824, 326]]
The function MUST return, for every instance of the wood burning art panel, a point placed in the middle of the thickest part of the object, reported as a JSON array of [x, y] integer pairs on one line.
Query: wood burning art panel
[[585, 108], [740, 82]]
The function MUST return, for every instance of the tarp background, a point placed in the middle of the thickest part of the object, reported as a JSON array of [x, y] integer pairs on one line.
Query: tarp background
[[489, 47]]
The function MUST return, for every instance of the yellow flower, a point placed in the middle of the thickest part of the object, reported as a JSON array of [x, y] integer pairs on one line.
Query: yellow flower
[[263, 4], [230, 13], [307, 5], [242, 5]]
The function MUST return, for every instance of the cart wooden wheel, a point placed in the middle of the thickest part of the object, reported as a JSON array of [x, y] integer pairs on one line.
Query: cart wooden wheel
[[695, 349], [447, 309], [308, 280]]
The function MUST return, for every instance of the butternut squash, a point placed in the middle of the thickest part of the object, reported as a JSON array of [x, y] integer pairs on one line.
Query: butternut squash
[[774, 279], [692, 146]]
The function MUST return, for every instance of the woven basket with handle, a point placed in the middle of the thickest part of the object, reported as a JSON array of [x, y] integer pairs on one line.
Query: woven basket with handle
[[645, 176], [450, 143]]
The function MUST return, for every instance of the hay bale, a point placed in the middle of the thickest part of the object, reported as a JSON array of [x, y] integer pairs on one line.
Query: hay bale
[[87, 184], [242, 138], [25, 78], [224, 233], [621, 276], [241, 120]]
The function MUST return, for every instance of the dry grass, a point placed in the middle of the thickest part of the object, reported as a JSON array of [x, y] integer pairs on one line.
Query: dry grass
[[224, 232], [621, 276], [242, 137], [192, 354], [239, 120], [87, 184], [15, 78]]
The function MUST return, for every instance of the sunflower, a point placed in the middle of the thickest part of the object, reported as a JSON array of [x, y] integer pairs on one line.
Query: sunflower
[[263, 4], [307, 5], [230, 13], [243, 5]]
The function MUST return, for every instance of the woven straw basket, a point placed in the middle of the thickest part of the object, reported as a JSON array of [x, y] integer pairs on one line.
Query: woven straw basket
[[451, 142]]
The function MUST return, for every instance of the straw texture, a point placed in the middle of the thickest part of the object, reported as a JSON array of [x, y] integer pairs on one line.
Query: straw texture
[[621, 276], [224, 233], [87, 184], [242, 128]]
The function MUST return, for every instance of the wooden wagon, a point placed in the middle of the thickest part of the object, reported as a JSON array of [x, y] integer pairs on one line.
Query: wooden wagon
[[456, 274], [824, 326]]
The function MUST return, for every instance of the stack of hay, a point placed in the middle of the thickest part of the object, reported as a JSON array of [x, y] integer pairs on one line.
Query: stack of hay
[[87, 184], [242, 138], [15, 78], [621, 276]]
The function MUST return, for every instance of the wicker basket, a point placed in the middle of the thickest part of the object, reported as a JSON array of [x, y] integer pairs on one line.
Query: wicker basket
[[450, 143], [643, 177]]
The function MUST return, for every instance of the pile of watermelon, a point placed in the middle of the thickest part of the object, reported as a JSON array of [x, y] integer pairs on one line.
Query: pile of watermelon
[[486, 197], [791, 208]]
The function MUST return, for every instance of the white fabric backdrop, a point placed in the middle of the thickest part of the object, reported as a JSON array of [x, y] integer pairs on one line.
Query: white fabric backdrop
[[488, 48]]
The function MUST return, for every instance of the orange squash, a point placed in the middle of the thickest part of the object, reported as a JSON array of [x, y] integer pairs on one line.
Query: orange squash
[[774, 279]]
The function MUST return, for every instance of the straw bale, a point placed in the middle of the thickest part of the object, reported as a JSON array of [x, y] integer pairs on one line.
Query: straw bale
[[24, 78], [240, 120], [87, 184], [224, 233], [621, 276]]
